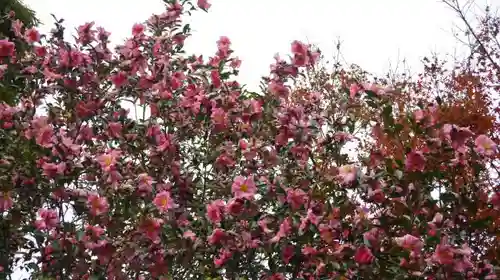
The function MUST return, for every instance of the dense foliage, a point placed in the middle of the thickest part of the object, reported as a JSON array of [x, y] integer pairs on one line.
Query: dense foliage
[[333, 177]]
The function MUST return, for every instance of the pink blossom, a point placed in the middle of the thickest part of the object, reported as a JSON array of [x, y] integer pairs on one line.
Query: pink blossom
[[137, 29], [203, 4], [287, 253], [354, 89], [32, 35], [17, 26], [244, 187], [5, 201], [108, 160], [263, 225], [223, 257], [296, 198], [409, 242], [217, 236], [7, 48], [458, 136], [285, 229], [418, 115], [189, 235], [119, 79], [145, 183], [363, 255], [215, 211], [415, 161], [115, 129], [163, 201], [444, 254], [235, 206], [485, 146], [98, 205], [151, 228], [347, 174], [3, 68], [219, 117], [438, 218], [48, 219]]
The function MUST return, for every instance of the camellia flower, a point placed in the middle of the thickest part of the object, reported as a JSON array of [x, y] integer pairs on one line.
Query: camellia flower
[[415, 161], [7, 48], [48, 219], [296, 198], [444, 254], [363, 255], [347, 174], [409, 242], [5, 201], [32, 35], [354, 89], [485, 146], [108, 160], [98, 205], [145, 183], [215, 211], [203, 4], [244, 187], [163, 201]]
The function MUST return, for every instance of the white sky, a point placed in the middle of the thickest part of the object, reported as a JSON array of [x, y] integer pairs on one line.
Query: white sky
[[375, 33]]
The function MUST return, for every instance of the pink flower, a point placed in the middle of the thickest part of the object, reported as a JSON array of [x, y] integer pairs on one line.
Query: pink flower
[[243, 144], [354, 89], [235, 206], [296, 198], [98, 205], [152, 228], [145, 183], [48, 219], [347, 174], [203, 4], [409, 242], [418, 115], [119, 79], [163, 201], [137, 29], [285, 229], [219, 117], [300, 54], [7, 48], [287, 253], [108, 160], [444, 254], [215, 211], [224, 256], [223, 45], [363, 255], [3, 68], [244, 187], [189, 235], [438, 218], [5, 201], [415, 161], [485, 146], [217, 236], [458, 136], [115, 129], [32, 35]]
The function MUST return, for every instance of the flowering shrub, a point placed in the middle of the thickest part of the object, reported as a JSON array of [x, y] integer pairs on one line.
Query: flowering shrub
[[208, 180]]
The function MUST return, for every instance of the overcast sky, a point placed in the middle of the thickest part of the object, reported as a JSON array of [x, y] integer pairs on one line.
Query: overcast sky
[[375, 33]]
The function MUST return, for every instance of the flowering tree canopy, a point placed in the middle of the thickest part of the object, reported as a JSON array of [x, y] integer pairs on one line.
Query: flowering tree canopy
[[210, 181]]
